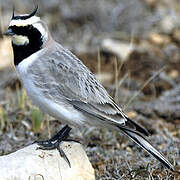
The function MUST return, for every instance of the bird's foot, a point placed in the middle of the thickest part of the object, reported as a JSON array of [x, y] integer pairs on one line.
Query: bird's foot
[[54, 142]]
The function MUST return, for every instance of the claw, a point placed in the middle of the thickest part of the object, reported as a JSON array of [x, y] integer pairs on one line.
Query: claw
[[62, 153], [54, 142]]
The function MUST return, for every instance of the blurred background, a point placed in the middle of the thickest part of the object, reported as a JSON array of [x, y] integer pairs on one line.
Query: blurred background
[[133, 47]]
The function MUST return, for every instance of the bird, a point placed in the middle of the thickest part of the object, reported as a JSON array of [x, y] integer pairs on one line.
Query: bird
[[62, 86]]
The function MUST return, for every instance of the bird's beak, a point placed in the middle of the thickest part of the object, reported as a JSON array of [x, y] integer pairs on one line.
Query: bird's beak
[[9, 32]]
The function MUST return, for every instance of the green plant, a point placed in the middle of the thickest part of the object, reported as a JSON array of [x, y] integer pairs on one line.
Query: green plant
[[37, 118], [3, 117], [21, 95]]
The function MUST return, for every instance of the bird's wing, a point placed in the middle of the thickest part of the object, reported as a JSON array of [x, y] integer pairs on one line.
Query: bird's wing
[[63, 75]]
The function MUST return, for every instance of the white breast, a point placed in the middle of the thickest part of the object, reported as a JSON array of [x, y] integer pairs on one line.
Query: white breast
[[61, 111]]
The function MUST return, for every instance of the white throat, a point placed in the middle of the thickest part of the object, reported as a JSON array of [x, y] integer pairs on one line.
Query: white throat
[[20, 40]]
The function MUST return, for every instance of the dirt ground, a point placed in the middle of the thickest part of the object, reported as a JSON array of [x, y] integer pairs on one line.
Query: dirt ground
[[133, 47]]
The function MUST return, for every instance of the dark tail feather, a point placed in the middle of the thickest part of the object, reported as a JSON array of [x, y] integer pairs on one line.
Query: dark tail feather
[[137, 127], [141, 141], [132, 124]]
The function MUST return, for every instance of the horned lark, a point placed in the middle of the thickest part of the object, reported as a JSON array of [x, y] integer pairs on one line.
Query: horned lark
[[63, 87]]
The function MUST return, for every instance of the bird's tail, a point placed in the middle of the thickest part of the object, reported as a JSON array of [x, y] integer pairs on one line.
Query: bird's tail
[[141, 141]]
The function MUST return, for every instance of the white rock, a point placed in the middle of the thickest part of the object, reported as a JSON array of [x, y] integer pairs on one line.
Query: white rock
[[119, 48], [168, 23], [31, 164], [105, 77]]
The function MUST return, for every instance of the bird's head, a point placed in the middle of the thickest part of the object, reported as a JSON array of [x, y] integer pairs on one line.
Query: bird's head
[[26, 28], [28, 34]]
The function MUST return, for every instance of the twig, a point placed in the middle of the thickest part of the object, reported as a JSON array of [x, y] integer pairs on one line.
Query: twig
[[144, 85]]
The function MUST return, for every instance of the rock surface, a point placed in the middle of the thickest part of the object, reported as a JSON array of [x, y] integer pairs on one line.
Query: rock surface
[[118, 48], [29, 163], [6, 56]]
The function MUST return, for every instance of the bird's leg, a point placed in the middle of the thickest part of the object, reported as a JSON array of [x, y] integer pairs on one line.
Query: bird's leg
[[64, 132], [54, 142]]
